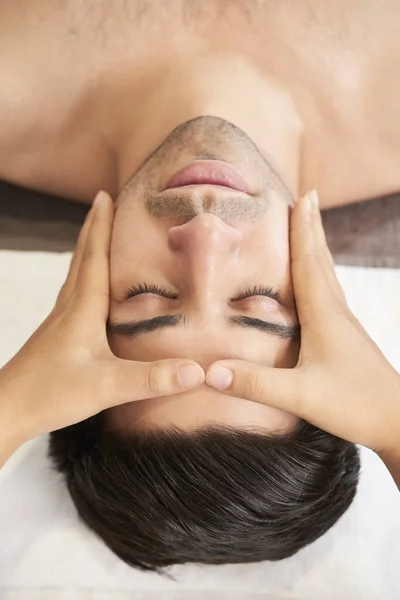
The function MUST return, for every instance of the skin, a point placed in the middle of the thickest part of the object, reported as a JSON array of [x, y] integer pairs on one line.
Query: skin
[[365, 410], [327, 386], [203, 244], [314, 84], [47, 386], [301, 82]]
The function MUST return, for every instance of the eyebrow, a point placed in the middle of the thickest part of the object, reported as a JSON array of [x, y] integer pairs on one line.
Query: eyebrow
[[133, 329]]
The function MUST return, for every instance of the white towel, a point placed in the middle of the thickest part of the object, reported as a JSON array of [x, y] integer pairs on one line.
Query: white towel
[[47, 554]]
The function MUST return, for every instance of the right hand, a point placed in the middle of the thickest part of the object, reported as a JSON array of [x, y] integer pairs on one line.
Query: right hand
[[342, 382]]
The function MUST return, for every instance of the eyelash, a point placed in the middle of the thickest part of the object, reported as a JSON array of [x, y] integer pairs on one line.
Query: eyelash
[[144, 288], [257, 290]]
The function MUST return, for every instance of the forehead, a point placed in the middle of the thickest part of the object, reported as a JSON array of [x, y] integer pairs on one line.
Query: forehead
[[198, 408]]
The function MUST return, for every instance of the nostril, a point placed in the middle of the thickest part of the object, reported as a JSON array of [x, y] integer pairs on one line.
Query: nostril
[[205, 229]]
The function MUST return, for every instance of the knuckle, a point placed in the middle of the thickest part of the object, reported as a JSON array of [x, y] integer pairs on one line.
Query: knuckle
[[256, 388], [308, 264], [89, 254], [154, 381]]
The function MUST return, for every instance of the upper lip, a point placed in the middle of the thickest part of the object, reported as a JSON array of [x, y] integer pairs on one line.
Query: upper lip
[[211, 172]]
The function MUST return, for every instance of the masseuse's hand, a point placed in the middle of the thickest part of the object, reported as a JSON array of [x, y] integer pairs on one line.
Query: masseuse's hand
[[342, 382], [66, 371]]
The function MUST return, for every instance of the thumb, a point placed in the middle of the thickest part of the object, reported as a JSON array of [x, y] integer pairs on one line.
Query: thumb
[[266, 385], [128, 381]]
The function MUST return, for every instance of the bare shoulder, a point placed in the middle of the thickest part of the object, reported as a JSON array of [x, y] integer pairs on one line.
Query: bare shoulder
[[54, 56], [46, 66]]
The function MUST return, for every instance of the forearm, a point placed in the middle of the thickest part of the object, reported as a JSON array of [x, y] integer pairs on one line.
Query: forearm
[[7, 449], [10, 426], [8, 437]]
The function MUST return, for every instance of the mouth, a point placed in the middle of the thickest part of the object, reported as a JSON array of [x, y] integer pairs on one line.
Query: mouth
[[209, 172]]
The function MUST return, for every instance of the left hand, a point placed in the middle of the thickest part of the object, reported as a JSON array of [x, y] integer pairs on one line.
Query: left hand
[[66, 371]]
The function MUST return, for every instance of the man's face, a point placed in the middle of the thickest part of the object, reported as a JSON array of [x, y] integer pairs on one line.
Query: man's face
[[203, 272]]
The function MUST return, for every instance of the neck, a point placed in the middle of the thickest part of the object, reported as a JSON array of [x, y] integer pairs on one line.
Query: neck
[[223, 86]]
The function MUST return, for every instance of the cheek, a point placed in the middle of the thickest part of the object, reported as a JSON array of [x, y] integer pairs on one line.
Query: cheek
[[135, 251], [276, 235], [287, 355], [129, 240], [267, 249]]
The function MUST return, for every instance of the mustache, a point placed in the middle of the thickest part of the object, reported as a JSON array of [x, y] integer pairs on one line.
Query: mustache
[[227, 208]]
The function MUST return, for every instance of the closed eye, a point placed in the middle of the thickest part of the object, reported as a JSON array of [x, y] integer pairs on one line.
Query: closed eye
[[144, 288], [258, 290]]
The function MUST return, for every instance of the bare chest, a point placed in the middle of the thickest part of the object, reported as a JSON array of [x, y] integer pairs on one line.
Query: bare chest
[[342, 71]]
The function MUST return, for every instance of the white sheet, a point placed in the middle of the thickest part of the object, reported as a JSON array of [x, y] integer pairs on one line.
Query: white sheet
[[46, 554]]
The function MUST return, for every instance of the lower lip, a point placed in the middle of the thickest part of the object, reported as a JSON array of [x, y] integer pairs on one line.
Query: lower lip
[[209, 172]]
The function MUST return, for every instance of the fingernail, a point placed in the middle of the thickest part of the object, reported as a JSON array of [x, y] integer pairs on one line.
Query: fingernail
[[190, 376], [220, 378], [313, 195], [100, 199], [307, 204]]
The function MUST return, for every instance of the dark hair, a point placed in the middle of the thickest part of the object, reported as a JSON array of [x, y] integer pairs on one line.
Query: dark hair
[[215, 496]]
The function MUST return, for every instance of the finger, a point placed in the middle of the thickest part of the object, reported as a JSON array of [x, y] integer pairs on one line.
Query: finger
[[280, 388], [70, 282], [127, 381], [319, 229], [312, 287], [327, 262], [297, 391], [93, 280], [327, 265]]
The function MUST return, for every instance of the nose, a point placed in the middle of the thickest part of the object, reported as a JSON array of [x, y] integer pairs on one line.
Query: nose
[[205, 234]]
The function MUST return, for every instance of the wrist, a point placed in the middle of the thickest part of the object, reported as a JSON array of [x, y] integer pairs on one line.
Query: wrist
[[389, 449], [391, 459], [10, 440], [390, 454], [11, 432]]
